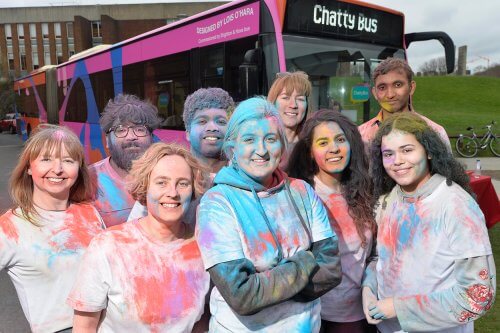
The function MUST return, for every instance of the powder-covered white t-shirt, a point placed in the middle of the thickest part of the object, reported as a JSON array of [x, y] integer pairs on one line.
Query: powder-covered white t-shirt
[[343, 303], [42, 261], [144, 285]]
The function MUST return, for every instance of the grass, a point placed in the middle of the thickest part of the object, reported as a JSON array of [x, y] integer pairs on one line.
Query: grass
[[457, 102], [490, 323]]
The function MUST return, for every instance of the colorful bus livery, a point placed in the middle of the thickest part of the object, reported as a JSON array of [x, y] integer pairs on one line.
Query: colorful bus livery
[[239, 46]]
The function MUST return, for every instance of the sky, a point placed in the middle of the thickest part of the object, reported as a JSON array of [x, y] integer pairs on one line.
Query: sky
[[472, 23]]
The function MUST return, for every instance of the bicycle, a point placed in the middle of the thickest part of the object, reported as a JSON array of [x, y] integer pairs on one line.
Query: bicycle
[[467, 146]]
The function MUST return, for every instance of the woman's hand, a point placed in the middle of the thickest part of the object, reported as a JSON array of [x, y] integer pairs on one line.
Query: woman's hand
[[369, 301], [383, 309]]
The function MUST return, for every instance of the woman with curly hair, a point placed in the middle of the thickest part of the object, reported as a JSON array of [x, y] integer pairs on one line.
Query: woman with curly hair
[[146, 275], [330, 156], [435, 270]]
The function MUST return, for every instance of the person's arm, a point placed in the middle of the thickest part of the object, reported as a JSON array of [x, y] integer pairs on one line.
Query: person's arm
[[328, 274], [86, 322], [470, 297], [369, 286], [247, 291]]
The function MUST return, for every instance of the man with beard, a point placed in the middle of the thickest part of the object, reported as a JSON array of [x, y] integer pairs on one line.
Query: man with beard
[[128, 123], [393, 89], [206, 114]]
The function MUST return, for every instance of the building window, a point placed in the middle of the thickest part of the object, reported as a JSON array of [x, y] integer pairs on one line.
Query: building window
[[33, 33], [96, 29], [69, 29], [22, 58], [8, 32], [20, 31], [36, 64], [71, 50], [59, 58], [57, 30], [45, 30], [10, 56], [46, 58]]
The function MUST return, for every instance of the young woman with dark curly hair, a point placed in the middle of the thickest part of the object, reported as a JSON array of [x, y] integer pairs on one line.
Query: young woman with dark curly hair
[[330, 156], [435, 270]]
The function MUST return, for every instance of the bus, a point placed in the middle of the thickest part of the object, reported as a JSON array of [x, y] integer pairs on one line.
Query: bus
[[239, 46]]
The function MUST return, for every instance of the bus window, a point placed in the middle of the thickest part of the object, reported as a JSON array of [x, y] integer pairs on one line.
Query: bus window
[[336, 69], [76, 110], [212, 66]]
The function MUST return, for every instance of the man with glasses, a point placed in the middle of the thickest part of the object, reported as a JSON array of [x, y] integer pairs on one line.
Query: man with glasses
[[128, 123]]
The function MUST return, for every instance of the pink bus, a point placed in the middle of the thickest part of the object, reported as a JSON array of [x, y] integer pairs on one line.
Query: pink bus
[[239, 46]]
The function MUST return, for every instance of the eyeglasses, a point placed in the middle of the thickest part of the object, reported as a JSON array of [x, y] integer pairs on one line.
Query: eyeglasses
[[121, 131]]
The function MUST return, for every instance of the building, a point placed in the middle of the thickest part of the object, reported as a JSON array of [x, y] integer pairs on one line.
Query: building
[[32, 37]]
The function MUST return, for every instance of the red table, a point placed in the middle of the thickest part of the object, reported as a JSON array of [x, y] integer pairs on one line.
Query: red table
[[486, 197]]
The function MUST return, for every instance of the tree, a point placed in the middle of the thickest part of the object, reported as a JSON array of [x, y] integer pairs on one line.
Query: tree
[[436, 66]]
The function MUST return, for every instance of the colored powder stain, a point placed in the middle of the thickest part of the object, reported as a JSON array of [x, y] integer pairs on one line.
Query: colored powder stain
[[262, 244], [480, 297], [422, 301], [79, 229], [53, 254], [113, 193], [8, 228], [342, 222], [189, 251], [164, 297]]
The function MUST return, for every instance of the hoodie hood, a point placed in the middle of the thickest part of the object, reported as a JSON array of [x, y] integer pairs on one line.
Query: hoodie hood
[[236, 178]]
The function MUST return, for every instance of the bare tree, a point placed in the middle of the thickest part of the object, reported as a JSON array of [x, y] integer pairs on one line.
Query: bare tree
[[436, 66]]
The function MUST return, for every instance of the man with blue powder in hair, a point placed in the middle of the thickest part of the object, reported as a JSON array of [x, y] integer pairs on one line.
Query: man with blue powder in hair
[[128, 123]]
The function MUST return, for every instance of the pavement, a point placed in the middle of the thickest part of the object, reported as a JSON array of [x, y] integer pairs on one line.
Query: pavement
[[490, 166]]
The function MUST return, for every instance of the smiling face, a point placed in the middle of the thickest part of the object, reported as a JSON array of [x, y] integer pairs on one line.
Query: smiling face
[[170, 189], [257, 149], [292, 108], [405, 160], [393, 91], [207, 131], [127, 149], [53, 176], [331, 150]]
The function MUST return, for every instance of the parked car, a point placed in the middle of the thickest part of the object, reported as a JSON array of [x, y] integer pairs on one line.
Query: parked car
[[9, 123]]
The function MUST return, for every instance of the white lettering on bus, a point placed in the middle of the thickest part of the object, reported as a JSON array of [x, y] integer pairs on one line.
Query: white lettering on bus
[[324, 16]]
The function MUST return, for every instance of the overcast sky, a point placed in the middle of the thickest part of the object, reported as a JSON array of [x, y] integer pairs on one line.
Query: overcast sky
[[472, 23]]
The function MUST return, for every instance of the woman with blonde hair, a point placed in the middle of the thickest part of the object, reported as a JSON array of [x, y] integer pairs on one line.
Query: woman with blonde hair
[[44, 237], [146, 275], [290, 95]]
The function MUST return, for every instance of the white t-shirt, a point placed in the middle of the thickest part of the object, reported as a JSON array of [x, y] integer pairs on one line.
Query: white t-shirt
[[419, 238], [226, 233], [42, 262], [144, 285], [343, 303]]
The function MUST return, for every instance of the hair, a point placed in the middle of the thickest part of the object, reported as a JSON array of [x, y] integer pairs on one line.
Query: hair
[[441, 159], [48, 139], [255, 108], [129, 109], [355, 182], [393, 64], [209, 98], [298, 81], [139, 175]]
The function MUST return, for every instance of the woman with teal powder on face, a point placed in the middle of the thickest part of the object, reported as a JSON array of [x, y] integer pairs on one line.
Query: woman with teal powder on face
[[290, 95], [265, 238]]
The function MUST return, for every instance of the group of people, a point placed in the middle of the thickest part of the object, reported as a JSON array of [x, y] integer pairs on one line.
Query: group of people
[[277, 219]]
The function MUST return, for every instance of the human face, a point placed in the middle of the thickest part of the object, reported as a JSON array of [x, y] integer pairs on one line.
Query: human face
[[207, 131], [330, 149], [170, 189], [393, 91], [53, 176], [257, 149], [127, 149], [292, 108], [405, 160]]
